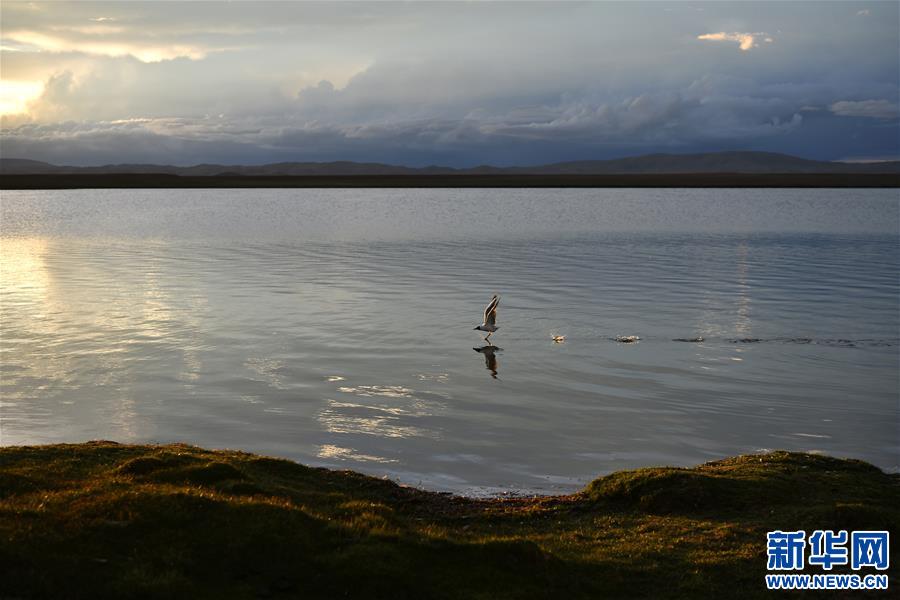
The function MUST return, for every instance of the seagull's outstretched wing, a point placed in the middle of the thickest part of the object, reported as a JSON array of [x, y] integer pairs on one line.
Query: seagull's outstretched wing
[[490, 313]]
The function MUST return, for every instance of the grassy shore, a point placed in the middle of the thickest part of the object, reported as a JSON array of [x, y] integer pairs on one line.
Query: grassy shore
[[104, 520]]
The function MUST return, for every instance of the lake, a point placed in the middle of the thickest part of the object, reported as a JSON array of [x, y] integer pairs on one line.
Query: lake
[[334, 327]]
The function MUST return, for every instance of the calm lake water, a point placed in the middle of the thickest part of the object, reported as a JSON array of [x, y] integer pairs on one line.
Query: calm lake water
[[334, 327]]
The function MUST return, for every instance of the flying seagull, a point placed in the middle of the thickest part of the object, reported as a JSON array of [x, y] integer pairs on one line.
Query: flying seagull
[[490, 318]]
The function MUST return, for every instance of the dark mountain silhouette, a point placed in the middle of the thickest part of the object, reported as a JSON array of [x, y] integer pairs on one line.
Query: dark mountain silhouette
[[714, 162]]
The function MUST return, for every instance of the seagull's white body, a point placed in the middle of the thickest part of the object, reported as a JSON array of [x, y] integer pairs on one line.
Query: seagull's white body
[[489, 323]]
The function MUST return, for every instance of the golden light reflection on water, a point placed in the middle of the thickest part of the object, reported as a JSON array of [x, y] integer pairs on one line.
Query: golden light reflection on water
[[389, 426], [38, 312], [269, 370], [390, 391], [23, 274], [74, 316], [163, 320], [391, 411], [329, 451], [29, 307]]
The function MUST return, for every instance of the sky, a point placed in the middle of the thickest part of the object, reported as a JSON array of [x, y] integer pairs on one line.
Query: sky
[[458, 84]]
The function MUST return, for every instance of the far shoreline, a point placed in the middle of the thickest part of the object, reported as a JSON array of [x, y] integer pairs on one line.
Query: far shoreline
[[60, 181]]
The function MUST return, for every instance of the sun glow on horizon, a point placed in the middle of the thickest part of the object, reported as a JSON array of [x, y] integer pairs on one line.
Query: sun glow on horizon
[[15, 96]]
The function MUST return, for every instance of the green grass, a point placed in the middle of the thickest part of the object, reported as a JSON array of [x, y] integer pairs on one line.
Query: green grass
[[104, 520]]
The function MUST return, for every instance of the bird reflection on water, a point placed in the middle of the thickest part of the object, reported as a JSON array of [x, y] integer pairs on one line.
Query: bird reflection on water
[[490, 358]]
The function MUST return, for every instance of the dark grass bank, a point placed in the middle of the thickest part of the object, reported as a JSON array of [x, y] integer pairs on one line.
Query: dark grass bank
[[677, 180], [104, 520]]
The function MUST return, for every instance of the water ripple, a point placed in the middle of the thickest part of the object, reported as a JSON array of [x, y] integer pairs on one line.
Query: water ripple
[[335, 327]]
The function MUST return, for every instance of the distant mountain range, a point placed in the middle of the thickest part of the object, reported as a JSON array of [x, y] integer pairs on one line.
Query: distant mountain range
[[715, 162]]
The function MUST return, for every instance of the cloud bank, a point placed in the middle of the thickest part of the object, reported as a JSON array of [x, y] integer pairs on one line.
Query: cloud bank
[[90, 83], [873, 109]]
